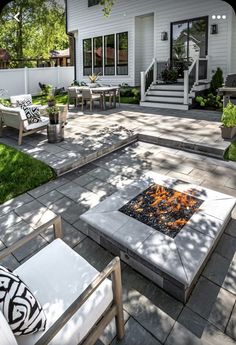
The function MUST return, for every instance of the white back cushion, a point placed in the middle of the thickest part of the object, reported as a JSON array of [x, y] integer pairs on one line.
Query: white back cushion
[[20, 98], [6, 335]]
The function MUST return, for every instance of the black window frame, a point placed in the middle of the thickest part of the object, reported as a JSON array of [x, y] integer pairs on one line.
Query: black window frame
[[117, 52], [97, 68], [109, 67], [87, 67], [188, 21], [93, 3]]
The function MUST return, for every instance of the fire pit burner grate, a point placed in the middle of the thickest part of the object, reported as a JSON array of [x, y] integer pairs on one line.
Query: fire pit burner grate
[[164, 209]]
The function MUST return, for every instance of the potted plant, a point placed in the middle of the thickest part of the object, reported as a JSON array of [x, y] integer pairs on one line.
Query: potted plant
[[228, 119], [55, 128], [93, 80], [169, 75], [51, 100]]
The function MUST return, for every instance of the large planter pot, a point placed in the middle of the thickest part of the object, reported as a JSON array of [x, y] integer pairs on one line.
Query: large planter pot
[[92, 85], [55, 133], [228, 132]]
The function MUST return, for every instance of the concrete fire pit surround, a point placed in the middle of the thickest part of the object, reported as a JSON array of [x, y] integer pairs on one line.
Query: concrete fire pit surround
[[173, 264]]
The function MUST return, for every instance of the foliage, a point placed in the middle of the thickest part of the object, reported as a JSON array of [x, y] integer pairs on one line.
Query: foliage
[[5, 102], [129, 92], [20, 173], [94, 77], [78, 83], [228, 118], [107, 6], [60, 99], [53, 114], [231, 152], [217, 81], [41, 29], [46, 89], [210, 101], [169, 75]]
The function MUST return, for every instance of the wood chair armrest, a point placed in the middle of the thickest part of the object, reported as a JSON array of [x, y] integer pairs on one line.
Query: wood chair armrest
[[56, 222], [113, 268]]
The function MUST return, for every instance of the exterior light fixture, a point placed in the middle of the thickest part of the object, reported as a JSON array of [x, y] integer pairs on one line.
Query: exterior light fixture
[[214, 29], [214, 16], [164, 36], [219, 16], [224, 16]]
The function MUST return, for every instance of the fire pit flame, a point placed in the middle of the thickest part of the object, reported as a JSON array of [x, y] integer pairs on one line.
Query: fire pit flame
[[164, 209]]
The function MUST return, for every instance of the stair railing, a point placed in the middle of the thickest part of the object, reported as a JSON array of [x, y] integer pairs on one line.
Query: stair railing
[[196, 72], [148, 78]]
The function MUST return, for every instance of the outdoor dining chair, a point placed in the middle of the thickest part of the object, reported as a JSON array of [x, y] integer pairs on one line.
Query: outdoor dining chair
[[74, 95], [88, 96], [77, 300]]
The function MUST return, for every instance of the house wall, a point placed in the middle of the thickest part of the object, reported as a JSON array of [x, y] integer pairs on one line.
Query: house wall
[[233, 57], [90, 22]]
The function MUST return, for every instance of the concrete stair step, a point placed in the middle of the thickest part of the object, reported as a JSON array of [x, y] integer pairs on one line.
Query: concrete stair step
[[164, 105], [171, 93], [165, 99], [168, 87]]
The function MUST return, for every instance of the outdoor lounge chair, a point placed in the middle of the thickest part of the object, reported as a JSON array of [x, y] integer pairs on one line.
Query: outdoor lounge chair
[[16, 118], [27, 97], [78, 301]]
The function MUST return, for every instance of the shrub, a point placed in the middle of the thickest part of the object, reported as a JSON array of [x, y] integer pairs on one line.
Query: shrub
[[228, 118], [217, 81], [211, 101], [169, 75], [5, 102]]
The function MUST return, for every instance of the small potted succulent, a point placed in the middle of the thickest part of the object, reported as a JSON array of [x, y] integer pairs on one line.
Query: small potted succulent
[[93, 80], [55, 128], [228, 119]]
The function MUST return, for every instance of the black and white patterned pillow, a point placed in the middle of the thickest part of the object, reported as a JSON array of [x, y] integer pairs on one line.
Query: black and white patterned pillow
[[23, 103], [19, 306], [32, 114]]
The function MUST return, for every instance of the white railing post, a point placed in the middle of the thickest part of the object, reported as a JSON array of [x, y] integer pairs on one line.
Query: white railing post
[[26, 86], [143, 86], [155, 71], [58, 76], [197, 71], [186, 81]]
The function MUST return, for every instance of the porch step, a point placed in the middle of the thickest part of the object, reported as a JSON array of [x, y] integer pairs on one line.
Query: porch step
[[164, 105], [165, 99], [165, 92], [168, 87]]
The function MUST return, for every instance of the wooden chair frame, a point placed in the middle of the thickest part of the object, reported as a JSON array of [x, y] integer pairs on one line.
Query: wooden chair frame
[[20, 126], [114, 310]]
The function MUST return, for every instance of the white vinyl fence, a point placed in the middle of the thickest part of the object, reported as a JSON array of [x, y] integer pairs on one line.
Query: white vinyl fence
[[26, 80]]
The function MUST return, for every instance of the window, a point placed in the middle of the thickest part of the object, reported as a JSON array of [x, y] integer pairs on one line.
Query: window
[[93, 2], [109, 54], [106, 55], [122, 53], [87, 56], [97, 55]]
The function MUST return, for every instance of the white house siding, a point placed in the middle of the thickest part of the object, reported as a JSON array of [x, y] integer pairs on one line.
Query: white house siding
[[90, 22], [233, 60]]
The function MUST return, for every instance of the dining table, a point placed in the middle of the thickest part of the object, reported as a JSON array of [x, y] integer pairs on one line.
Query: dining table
[[104, 91]]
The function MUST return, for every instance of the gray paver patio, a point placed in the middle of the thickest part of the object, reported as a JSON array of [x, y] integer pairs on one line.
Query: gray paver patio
[[152, 316], [91, 135]]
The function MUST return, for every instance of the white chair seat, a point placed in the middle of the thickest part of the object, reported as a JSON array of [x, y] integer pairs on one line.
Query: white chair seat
[[57, 275], [36, 125]]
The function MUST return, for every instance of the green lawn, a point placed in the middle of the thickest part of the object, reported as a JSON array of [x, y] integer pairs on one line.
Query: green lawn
[[20, 173], [231, 152]]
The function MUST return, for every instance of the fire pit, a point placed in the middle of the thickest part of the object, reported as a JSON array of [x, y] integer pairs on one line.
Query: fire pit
[[162, 208], [162, 227]]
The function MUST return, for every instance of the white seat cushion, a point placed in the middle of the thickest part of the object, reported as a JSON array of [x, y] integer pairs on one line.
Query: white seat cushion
[[44, 121], [6, 335], [57, 275]]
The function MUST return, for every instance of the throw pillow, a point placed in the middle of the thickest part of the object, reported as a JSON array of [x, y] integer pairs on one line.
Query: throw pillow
[[32, 114], [23, 103], [19, 306]]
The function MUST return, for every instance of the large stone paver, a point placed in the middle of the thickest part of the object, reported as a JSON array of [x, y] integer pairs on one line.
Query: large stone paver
[[152, 316]]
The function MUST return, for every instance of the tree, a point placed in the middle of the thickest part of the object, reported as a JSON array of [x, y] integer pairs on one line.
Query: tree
[[41, 28]]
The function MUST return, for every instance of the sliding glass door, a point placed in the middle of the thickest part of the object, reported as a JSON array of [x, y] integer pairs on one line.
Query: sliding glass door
[[189, 41]]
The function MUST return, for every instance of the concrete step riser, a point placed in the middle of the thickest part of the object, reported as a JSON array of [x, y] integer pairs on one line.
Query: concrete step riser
[[190, 147], [179, 100], [166, 93], [164, 105]]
